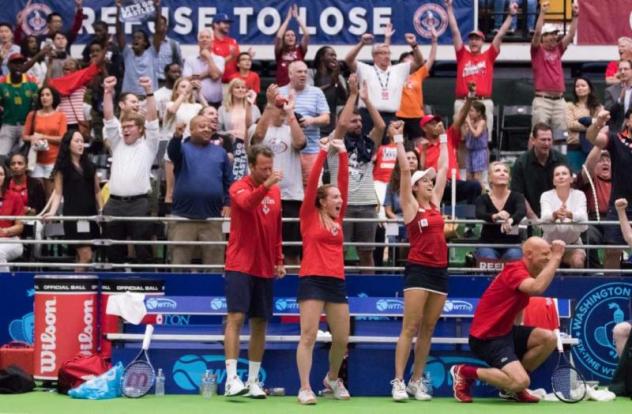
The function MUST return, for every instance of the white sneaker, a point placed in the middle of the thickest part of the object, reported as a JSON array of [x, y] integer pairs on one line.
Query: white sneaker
[[306, 397], [399, 390], [234, 386], [255, 390], [418, 390], [337, 387]]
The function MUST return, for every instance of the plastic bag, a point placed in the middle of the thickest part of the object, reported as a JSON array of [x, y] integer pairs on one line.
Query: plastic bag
[[103, 387]]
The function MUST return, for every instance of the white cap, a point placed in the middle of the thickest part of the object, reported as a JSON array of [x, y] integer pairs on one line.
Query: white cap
[[428, 173], [549, 28]]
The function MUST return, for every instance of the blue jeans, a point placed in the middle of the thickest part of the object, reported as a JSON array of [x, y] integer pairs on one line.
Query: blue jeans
[[508, 254], [500, 10]]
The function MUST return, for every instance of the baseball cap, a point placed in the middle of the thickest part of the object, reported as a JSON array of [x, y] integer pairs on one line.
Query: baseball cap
[[476, 33], [549, 28], [222, 17], [16, 56], [429, 118], [427, 173]]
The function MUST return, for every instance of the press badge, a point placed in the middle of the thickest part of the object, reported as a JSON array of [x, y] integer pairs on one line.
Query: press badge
[[83, 226], [423, 222], [226, 227]]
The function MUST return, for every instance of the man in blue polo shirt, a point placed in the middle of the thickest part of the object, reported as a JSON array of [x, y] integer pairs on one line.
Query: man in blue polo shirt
[[203, 175]]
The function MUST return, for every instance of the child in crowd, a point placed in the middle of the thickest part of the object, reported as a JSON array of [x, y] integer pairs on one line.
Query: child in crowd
[[476, 137]]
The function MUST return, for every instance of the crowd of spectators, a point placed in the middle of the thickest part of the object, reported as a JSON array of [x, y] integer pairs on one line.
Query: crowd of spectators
[[177, 129]]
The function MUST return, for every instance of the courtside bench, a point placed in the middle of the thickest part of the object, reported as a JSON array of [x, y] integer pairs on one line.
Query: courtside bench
[[457, 313]]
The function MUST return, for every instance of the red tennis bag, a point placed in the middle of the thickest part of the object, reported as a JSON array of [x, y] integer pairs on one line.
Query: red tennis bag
[[78, 370]]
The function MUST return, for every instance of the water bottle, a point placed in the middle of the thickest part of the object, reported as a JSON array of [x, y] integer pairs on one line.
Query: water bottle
[[427, 381], [213, 384], [205, 385], [160, 384]]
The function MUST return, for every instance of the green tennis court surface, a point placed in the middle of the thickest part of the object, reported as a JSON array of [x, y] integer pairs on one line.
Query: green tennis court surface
[[51, 403]]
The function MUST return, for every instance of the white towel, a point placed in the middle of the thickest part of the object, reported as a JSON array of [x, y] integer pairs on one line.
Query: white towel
[[129, 306]]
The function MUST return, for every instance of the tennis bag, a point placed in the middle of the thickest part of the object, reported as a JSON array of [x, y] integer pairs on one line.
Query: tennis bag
[[78, 370], [622, 379], [13, 380]]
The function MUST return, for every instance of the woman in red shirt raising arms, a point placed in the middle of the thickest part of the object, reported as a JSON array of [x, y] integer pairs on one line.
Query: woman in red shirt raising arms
[[322, 278], [426, 276]]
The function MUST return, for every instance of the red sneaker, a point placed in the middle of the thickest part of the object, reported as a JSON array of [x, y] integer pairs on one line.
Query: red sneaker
[[460, 385], [526, 397]]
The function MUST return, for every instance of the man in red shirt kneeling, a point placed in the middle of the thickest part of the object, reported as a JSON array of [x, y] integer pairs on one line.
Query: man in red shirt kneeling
[[512, 351]]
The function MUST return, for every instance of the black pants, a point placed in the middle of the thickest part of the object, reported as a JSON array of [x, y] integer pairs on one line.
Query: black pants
[[367, 122], [122, 230]]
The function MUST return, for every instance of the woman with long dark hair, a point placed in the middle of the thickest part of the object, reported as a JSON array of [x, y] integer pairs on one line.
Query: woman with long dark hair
[[322, 277], [44, 128], [286, 47], [579, 115], [76, 181], [326, 76], [426, 274]]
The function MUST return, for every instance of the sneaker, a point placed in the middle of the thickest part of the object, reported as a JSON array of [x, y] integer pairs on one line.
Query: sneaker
[[399, 390], [523, 396], [418, 390], [306, 397], [460, 385], [255, 390], [234, 387], [337, 387]]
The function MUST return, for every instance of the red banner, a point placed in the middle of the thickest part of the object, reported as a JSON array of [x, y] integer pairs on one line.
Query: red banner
[[603, 22]]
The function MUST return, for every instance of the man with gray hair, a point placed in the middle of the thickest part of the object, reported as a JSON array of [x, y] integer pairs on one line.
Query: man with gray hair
[[311, 109], [208, 68], [383, 80]]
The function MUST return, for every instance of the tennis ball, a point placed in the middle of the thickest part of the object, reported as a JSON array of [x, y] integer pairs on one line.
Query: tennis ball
[[187, 372]]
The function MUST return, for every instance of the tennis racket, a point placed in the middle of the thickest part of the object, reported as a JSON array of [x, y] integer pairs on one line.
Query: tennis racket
[[139, 375], [567, 383]]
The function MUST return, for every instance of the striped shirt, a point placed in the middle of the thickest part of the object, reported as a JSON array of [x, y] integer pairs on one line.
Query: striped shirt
[[361, 186], [72, 106], [309, 102]]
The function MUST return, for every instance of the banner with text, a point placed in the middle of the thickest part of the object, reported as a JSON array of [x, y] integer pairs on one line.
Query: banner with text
[[256, 22], [603, 22]]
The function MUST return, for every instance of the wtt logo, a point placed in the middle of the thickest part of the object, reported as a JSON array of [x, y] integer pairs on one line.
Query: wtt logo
[[161, 304], [384, 305], [188, 370], [595, 316], [286, 305]]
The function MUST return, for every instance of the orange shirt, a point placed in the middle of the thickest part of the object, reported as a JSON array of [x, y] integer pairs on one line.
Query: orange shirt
[[53, 124], [412, 103]]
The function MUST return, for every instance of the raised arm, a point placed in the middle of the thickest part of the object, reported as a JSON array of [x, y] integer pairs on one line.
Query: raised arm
[[343, 175], [498, 39], [459, 117], [572, 29], [311, 189], [406, 198], [120, 33], [352, 56], [621, 205], [303, 27], [433, 50], [411, 40], [151, 113], [591, 161], [159, 36], [457, 40], [109, 84], [538, 285], [278, 40], [298, 136], [597, 133], [347, 111], [266, 117], [537, 32], [442, 170]]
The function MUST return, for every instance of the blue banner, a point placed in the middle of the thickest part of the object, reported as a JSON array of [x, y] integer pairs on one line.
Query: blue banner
[[333, 22]]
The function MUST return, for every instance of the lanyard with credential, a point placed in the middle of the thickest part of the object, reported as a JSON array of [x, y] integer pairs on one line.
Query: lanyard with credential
[[384, 86]]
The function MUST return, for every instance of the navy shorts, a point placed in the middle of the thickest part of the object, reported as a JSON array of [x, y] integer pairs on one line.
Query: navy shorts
[[613, 233], [502, 350], [327, 289], [249, 294], [433, 279]]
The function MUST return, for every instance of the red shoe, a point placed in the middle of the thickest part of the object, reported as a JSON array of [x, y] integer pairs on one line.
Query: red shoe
[[460, 385], [523, 396]]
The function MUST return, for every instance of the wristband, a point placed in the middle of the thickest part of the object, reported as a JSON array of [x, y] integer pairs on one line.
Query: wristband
[[149, 94], [398, 138], [413, 46], [443, 139]]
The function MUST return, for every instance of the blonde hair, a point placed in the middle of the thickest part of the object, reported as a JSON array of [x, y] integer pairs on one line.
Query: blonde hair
[[228, 96], [493, 165], [175, 94]]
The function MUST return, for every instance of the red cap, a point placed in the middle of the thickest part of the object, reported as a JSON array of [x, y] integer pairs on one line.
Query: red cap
[[476, 33], [429, 118], [16, 56]]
